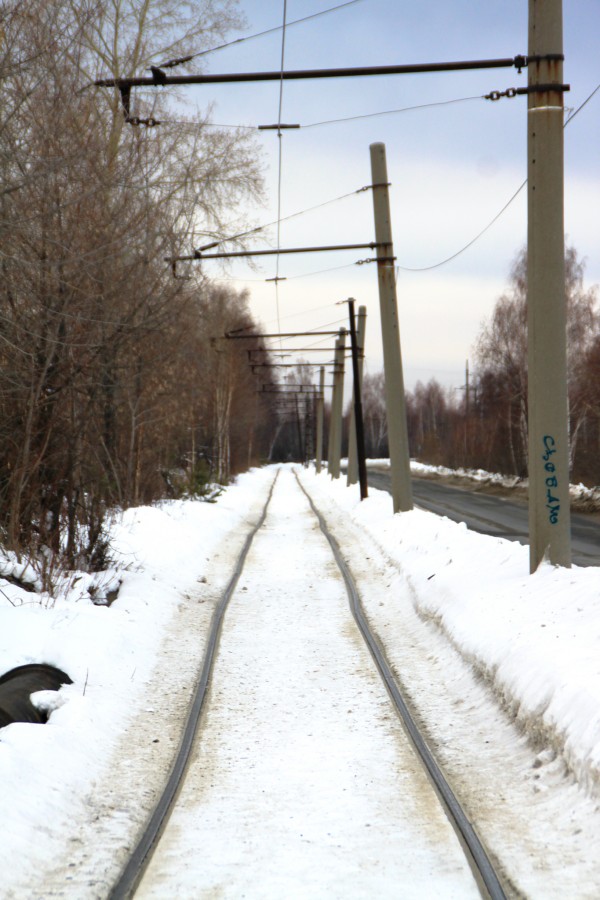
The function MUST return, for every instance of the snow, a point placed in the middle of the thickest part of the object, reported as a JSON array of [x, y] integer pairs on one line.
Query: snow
[[503, 668], [586, 497], [332, 762], [534, 638]]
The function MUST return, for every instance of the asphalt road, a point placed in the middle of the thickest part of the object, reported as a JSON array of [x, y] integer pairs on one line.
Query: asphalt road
[[493, 515]]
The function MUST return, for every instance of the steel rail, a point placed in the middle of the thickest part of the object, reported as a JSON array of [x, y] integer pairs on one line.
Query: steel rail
[[140, 857], [476, 854]]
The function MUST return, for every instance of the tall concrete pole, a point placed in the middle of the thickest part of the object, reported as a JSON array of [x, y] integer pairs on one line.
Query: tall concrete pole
[[352, 477], [390, 330], [549, 513], [337, 406], [320, 405]]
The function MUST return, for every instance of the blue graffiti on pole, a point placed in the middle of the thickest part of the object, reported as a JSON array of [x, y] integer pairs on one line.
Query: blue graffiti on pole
[[552, 502]]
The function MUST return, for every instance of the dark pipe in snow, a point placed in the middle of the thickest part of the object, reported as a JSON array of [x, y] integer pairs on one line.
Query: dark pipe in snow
[[17, 686]]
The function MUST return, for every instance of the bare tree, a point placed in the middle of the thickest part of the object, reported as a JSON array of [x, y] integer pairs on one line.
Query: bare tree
[[502, 357], [374, 415], [91, 319]]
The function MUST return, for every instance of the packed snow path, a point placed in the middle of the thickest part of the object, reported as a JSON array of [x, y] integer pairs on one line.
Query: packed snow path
[[302, 783]]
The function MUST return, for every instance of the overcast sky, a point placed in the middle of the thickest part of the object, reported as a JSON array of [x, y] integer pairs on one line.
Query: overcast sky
[[452, 167]]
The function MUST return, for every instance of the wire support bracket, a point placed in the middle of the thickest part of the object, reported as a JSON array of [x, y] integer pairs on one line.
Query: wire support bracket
[[235, 335], [531, 89], [375, 259], [276, 127], [290, 350], [236, 254], [158, 77], [150, 122], [298, 365]]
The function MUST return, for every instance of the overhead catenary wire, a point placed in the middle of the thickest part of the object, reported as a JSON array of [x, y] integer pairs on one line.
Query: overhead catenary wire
[[295, 215], [446, 259], [280, 160], [518, 62], [358, 262], [469, 244], [303, 126], [250, 37], [291, 277], [498, 214], [339, 322], [391, 112], [466, 246], [581, 105], [397, 111]]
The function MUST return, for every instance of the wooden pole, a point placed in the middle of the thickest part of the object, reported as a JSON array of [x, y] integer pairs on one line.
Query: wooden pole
[[320, 405], [337, 406], [352, 476], [331, 435], [357, 430]]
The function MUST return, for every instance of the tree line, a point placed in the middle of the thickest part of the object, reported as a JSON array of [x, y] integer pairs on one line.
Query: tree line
[[484, 423], [115, 383]]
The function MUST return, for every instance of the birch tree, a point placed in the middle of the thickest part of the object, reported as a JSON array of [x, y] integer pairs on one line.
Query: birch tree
[[502, 354], [91, 319]]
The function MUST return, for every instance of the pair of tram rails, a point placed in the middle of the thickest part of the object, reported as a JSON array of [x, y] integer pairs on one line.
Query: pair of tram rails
[[484, 873]]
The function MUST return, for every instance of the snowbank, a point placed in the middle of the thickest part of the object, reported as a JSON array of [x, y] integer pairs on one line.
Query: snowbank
[[534, 638], [583, 498], [48, 772]]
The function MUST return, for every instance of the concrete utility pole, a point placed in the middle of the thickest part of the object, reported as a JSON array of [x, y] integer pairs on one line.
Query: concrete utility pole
[[352, 477], [337, 406], [320, 405], [390, 330], [549, 512]]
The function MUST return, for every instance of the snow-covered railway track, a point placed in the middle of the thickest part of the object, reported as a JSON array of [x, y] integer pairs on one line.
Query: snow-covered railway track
[[300, 782]]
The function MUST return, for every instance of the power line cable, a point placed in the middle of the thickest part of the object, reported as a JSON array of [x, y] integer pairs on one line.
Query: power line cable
[[322, 341], [467, 245], [293, 277], [303, 127], [497, 216], [471, 242], [280, 158], [322, 271], [373, 115], [301, 212], [305, 312], [390, 112], [579, 108], [175, 62], [279, 161]]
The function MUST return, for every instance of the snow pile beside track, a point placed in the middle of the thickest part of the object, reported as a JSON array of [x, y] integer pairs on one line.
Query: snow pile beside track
[[48, 773], [534, 638], [583, 499]]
